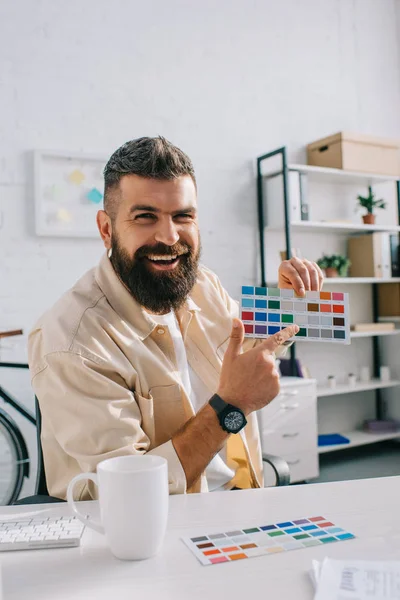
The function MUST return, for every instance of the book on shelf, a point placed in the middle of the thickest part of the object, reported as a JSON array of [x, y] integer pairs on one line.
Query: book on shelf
[[275, 212], [394, 254], [372, 327], [370, 255], [304, 207], [374, 255], [389, 302]]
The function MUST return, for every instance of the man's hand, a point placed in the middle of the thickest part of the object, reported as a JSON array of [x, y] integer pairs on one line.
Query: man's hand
[[250, 380], [301, 275]]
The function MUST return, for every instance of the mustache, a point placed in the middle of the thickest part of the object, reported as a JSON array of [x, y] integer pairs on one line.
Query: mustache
[[160, 248]]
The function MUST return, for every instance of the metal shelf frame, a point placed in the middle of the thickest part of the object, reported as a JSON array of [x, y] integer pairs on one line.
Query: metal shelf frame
[[261, 203]]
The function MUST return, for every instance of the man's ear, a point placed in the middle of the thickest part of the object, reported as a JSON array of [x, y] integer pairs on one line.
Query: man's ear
[[105, 228]]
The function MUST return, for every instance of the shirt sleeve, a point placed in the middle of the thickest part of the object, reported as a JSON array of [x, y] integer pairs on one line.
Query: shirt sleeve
[[93, 415]]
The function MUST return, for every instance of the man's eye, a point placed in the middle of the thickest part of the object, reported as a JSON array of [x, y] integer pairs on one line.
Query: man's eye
[[183, 217], [147, 216]]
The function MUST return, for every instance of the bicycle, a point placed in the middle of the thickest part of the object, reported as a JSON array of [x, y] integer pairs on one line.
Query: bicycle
[[14, 455]]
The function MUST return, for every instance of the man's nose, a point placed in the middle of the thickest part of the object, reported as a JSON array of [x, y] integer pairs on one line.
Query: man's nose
[[167, 233]]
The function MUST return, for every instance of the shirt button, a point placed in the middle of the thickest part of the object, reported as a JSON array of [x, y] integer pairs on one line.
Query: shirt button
[[160, 331]]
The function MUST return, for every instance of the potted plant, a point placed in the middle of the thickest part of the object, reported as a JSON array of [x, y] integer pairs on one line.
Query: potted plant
[[334, 265], [370, 202]]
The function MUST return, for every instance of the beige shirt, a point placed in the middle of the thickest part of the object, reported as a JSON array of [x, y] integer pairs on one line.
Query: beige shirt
[[108, 384]]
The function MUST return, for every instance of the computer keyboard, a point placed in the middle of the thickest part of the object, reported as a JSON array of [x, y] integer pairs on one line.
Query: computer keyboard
[[40, 533]]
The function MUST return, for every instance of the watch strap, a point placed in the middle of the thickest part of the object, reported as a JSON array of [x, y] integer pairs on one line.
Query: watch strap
[[217, 403]]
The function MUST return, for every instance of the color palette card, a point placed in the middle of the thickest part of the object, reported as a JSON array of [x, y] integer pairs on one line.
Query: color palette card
[[321, 316], [216, 548]]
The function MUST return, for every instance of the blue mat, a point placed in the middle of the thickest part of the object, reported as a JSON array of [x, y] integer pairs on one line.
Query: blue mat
[[329, 439]]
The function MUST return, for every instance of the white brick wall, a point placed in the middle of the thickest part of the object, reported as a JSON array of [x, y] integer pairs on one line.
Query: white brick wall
[[224, 80]]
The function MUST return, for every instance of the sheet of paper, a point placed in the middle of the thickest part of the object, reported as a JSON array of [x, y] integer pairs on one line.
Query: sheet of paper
[[357, 580]]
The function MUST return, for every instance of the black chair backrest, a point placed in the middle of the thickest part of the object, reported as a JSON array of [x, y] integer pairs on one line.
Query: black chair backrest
[[41, 485]]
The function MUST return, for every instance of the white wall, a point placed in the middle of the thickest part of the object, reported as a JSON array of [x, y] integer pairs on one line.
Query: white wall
[[397, 4], [226, 81]]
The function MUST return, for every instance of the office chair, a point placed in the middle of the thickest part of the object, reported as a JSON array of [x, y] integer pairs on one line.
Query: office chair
[[41, 492], [280, 468]]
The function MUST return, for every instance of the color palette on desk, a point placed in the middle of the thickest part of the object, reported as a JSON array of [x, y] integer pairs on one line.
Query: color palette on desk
[[321, 316], [263, 540]]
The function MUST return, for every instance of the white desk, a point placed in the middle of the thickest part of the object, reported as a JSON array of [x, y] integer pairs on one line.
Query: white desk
[[368, 508]]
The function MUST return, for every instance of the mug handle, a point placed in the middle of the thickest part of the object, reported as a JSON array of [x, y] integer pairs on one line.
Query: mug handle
[[85, 519]]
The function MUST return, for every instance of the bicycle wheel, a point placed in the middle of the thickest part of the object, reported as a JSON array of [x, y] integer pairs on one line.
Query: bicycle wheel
[[13, 457]]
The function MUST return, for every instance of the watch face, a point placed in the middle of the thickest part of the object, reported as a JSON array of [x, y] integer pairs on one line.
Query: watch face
[[233, 421]]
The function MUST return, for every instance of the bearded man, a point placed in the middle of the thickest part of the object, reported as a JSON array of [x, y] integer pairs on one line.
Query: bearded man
[[145, 354]]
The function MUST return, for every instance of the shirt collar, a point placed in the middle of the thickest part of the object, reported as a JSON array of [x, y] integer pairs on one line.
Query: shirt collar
[[191, 305]]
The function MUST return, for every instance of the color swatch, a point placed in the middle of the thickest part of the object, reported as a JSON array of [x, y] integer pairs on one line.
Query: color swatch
[[216, 548], [321, 316]]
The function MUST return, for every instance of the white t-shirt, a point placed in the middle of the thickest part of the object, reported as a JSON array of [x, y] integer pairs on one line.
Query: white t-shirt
[[218, 473]]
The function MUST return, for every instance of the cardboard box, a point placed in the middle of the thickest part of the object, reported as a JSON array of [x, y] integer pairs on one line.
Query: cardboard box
[[370, 255], [356, 152], [389, 299]]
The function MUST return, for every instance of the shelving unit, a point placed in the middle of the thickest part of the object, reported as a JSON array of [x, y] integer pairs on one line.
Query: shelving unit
[[336, 176], [364, 334], [328, 175], [338, 227], [320, 174], [360, 386]]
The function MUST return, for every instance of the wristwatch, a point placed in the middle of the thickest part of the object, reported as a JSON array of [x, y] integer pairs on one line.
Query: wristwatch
[[230, 417]]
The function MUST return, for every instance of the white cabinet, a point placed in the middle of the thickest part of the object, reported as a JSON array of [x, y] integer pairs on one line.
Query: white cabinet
[[288, 427]]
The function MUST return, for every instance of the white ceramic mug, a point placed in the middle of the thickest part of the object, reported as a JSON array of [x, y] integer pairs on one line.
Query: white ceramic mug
[[133, 498]]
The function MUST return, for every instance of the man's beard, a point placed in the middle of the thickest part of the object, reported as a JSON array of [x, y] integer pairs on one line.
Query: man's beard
[[157, 291]]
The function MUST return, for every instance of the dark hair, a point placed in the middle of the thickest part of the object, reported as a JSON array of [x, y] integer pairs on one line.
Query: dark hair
[[154, 158]]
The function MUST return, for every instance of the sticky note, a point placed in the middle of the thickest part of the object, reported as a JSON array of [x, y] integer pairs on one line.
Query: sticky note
[[76, 177], [94, 195]]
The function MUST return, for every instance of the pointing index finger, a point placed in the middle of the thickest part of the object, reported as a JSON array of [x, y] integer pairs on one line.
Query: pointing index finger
[[279, 338]]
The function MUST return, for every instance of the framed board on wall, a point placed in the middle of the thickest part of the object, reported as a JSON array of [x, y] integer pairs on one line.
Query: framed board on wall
[[68, 192]]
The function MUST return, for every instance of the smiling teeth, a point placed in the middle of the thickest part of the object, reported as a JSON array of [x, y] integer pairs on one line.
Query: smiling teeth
[[160, 257], [169, 257]]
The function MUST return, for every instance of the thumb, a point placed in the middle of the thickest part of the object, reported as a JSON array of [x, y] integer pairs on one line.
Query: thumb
[[236, 340]]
